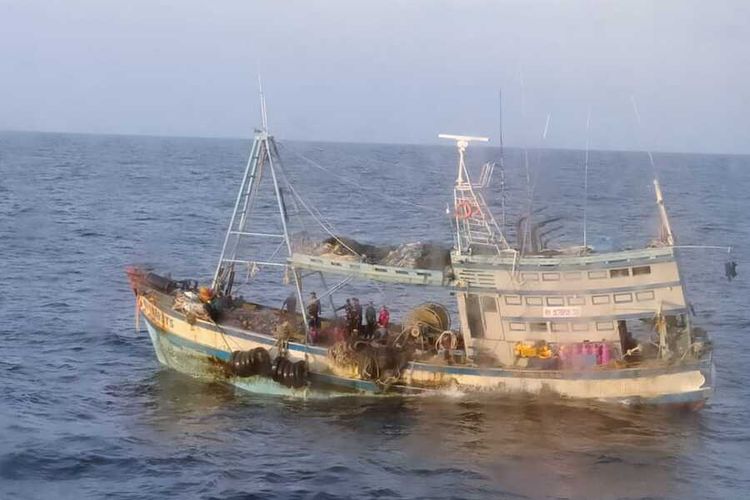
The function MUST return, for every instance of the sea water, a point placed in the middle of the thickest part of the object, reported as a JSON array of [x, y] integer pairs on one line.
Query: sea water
[[86, 411]]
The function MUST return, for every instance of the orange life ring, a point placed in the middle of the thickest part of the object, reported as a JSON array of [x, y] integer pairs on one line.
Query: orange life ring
[[464, 210]]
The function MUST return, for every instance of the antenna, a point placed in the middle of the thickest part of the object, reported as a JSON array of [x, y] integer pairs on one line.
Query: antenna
[[586, 177], [546, 127], [500, 123], [502, 158], [462, 142], [527, 227], [263, 114], [666, 229]]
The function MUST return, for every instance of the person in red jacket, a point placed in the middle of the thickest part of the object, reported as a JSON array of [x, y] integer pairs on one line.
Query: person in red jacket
[[384, 317]]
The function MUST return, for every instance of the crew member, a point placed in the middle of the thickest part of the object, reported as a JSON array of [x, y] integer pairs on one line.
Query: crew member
[[348, 315], [371, 320], [290, 304], [384, 317], [357, 320], [313, 311]]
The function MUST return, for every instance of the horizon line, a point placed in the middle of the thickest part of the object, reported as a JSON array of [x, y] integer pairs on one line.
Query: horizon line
[[364, 142]]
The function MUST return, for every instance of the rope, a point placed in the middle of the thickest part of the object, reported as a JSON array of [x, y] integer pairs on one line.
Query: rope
[[319, 221], [322, 222], [454, 341], [223, 336]]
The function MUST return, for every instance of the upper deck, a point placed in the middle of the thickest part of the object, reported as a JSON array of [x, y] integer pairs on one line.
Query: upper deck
[[574, 273]]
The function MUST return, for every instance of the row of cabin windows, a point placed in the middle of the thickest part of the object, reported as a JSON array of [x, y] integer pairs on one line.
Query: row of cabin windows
[[602, 326], [618, 298], [593, 275]]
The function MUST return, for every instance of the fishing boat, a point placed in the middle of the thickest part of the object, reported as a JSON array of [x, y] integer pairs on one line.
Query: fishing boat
[[571, 322]]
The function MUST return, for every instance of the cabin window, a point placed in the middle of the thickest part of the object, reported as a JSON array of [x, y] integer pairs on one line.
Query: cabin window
[[572, 275], [580, 327], [559, 327], [641, 270], [597, 275], [576, 301], [621, 298], [555, 301], [513, 300], [474, 316], [644, 296], [604, 326], [600, 299], [517, 327], [540, 326], [619, 273], [489, 304], [533, 301], [550, 276], [530, 276]]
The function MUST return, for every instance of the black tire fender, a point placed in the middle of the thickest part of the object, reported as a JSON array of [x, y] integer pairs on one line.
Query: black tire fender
[[300, 373]]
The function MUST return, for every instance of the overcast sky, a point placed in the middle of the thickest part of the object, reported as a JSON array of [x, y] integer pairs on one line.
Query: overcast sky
[[384, 71]]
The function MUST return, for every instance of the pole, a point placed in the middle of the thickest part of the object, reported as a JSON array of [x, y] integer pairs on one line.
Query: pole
[[586, 179], [236, 207], [277, 191]]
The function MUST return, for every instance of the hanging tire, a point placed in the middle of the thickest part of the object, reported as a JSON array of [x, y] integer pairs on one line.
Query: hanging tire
[[288, 379], [300, 374], [262, 361], [249, 364], [278, 369], [232, 363]]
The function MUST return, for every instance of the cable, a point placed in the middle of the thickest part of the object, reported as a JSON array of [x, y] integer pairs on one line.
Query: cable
[[358, 184]]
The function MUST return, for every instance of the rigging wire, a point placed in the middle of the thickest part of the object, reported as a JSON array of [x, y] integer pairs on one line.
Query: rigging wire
[[358, 185], [324, 224], [524, 239], [638, 135], [502, 160], [319, 218]]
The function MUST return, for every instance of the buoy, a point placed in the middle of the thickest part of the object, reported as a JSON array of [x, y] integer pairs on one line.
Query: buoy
[[464, 210]]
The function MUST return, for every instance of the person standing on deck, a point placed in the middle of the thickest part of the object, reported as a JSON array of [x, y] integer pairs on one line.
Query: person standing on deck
[[384, 317], [313, 311], [357, 320], [370, 320], [348, 315], [290, 304]]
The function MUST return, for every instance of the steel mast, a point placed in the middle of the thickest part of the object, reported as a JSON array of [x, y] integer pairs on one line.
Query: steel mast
[[475, 224], [262, 156]]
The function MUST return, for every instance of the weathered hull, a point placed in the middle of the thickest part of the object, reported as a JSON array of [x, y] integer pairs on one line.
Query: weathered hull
[[199, 350]]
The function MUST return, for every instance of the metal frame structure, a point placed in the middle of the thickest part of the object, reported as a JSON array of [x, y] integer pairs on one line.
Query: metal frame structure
[[263, 155], [475, 224]]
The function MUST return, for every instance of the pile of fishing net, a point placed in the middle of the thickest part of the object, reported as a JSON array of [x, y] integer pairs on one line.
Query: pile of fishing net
[[414, 255]]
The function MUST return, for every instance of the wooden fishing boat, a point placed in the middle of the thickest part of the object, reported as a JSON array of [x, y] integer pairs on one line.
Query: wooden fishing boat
[[612, 326]]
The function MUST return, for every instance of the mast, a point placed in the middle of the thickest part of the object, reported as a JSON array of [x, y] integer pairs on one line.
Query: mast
[[475, 225], [262, 156], [502, 160], [666, 229]]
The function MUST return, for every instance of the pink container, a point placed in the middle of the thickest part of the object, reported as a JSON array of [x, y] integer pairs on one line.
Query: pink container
[[589, 348], [606, 355]]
